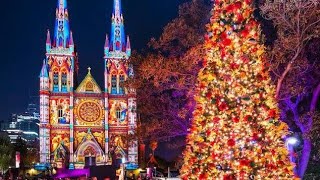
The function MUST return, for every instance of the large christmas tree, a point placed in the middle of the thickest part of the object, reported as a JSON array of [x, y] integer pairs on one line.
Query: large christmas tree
[[236, 132]]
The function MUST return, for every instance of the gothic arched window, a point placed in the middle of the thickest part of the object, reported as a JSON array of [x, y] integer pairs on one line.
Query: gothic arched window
[[64, 81], [60, 112], [118, 113], [113, 84], [121, 79], [55, 81]]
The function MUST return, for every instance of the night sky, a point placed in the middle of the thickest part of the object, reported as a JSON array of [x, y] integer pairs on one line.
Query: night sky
[[23, 33]]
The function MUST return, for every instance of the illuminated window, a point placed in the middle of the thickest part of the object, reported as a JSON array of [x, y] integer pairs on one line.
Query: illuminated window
[[60, 112], [114, 84], [121, 89], [64, 81], [55, 81], [118, 111]]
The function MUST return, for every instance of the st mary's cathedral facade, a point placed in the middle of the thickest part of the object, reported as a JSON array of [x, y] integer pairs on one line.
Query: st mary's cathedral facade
[[81, 124]]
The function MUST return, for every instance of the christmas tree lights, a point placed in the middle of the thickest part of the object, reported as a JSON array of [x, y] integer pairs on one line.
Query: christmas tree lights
[[236, 132]]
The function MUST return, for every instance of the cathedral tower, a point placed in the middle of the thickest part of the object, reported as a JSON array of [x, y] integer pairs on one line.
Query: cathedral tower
[[117, 51], [57, 80]]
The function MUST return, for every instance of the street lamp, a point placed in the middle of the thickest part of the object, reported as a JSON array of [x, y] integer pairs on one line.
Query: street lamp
[[155, 171], [292, 141]]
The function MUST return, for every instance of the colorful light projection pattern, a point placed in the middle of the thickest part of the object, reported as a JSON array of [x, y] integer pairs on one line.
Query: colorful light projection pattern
[[59, 111], [89, 147], [118, 144], [118, 113], [98, 135], [89, 112], [60, 144]]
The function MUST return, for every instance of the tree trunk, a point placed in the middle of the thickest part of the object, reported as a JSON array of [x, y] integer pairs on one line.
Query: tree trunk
[[280, 80], [315, 97], [304, 160], [307, 145]]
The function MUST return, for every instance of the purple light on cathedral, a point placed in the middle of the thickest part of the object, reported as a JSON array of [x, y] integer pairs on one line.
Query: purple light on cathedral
[[73, 173]]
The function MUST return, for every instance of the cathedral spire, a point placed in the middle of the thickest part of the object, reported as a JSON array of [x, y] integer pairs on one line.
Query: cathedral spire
[[62, 29], [44, 71], [106, 45], [117, 38], [128, 48], [48, 42]]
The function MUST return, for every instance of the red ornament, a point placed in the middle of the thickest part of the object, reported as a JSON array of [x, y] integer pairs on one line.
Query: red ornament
[[216, 120], [203, 176], [230, 8], [248, 2], [244, 33], [238, 5], [204, 63], [223, 106], [213, 156], [280, 163], [234, 66], [255, 136], [212, 143], [223, 35], [235, 119], [244, 162], [272, 113], [252, 23], [209, 95], [223, 53], [239, 18], [231, 142], [226, 42], [271, 166], [228, 177], [208, 132], [247, 118]]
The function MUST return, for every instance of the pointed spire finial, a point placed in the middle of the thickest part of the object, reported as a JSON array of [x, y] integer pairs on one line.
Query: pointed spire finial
[[71, 43], [106, 44], [128, 43], [48, 41], [89, 70], [44, 70]]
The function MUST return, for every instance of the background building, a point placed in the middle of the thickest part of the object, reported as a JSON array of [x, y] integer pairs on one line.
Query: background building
[[24, 125], [84, 125]]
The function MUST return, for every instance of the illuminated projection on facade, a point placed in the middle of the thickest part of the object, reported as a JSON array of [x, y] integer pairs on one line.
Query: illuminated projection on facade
[[81, 124]]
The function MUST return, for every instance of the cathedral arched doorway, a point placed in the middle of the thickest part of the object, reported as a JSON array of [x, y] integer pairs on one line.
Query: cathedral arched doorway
[[89, 153], [90, 156]]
